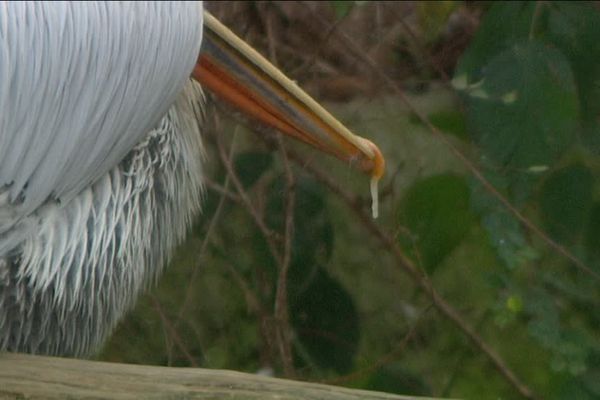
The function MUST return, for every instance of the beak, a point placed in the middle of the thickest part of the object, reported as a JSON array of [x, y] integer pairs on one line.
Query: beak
[[238, 74]]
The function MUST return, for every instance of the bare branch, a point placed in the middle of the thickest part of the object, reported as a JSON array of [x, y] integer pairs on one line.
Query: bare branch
[[390, 244], [463, 158], [222, 190], [207, 238], [260, 223], [172, 332], [281, 297]]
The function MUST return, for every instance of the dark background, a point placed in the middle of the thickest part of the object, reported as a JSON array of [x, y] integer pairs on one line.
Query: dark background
[[481, 277]]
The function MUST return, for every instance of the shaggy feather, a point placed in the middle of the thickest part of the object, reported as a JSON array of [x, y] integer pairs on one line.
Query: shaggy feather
[[83, 263], [93, 199]]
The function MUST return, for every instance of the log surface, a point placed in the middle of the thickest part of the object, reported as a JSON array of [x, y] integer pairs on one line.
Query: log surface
[[35, 377]]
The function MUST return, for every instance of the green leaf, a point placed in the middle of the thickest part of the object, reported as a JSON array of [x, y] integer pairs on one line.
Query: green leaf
[[565, 202], [436, 211], [504, 24], [250, 166], [525, 111], [574, 28], [326, 323]]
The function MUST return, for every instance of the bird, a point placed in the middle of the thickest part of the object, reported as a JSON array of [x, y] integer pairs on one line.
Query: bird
[[102, 108]]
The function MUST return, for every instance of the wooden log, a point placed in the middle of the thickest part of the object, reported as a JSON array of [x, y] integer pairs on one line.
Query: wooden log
[[35, 377]]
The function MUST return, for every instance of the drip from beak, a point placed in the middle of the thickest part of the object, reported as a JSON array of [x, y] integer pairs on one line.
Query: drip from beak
[[238, 74]]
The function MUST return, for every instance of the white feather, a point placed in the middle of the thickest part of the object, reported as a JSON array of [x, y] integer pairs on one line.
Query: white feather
[[100, 162]]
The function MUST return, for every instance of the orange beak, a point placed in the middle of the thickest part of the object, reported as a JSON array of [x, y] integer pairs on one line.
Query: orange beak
[[238, 74]]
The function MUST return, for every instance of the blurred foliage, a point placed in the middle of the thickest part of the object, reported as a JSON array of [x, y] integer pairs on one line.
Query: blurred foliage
[[521, 102], [436, 212]]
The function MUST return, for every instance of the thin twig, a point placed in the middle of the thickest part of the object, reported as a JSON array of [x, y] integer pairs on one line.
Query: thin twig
[[208, 236], [172, 331], [412, 270], [281, 327], [423, 48], [252, 302], [282, 319], [256, 307], [463, 158], [385, 360], [222, 190], [316, 49], [406, 263], [270, 37], [535, 19], [260, 223], [445, 392]]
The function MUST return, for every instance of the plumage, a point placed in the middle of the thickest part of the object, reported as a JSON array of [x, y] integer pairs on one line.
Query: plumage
[[100, 162], [100, 154]]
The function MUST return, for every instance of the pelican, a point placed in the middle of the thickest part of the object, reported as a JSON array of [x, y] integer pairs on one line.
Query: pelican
[[101, 107]]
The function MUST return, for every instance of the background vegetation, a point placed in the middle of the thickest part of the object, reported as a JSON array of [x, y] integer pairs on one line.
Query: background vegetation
[[481, 277]]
